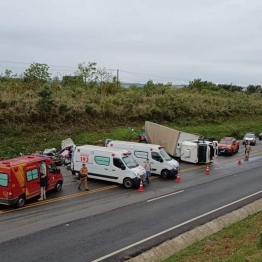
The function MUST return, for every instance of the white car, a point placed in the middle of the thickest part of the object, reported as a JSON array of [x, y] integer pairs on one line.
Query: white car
[[250, 137]]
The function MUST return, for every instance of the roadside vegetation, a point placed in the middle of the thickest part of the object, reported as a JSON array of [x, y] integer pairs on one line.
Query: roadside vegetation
[[240, 242], [38, 111]]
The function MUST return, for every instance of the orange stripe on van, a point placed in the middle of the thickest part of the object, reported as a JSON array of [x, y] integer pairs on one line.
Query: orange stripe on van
[[20, 176]]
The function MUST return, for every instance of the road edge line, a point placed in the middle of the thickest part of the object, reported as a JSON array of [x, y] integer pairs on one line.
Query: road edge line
[[170, 247], [175, 227]]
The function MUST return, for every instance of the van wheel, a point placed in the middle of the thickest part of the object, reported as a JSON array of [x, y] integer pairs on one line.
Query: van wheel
[[58, 186], [128, 183], [21, 201], [165, 173]]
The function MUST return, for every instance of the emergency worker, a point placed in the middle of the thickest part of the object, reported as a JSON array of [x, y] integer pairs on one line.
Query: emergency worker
[[148, 170], [143, 136], [246, 143], [83, 177], [43, 181], [248, 150]]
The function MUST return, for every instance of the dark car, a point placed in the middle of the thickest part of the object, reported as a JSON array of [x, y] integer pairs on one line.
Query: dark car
[[228, 145]]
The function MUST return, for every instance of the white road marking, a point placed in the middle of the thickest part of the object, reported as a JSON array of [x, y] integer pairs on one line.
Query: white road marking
[[153, 199], [174, 227]]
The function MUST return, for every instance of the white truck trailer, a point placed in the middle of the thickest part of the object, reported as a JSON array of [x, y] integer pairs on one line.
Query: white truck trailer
[[187, 147]]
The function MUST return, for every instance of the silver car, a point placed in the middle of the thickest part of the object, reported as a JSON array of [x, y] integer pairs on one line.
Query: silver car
[[250, 137]]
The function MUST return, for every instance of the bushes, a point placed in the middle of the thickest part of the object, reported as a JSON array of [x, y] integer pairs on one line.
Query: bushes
[[155, 102]]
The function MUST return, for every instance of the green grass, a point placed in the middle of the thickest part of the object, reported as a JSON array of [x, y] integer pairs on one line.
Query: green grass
[[240, 242], [27, 139]]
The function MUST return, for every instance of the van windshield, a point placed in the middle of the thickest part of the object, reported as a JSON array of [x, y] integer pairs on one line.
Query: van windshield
[[165, 155], [3, 179], [130, 162]]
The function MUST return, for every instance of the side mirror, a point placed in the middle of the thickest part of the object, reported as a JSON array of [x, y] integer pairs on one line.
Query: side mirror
[[123, 167], [161, 160], [58, 171]]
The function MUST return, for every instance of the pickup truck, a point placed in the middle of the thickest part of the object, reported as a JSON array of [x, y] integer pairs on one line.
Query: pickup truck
[[228, 145]]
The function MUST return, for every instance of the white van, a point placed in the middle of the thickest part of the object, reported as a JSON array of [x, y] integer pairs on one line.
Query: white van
[[161, 163], [108, 164]]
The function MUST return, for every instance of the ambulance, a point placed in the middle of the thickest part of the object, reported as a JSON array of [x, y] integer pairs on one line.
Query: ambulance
[[161, 163], [108, 164], [20, 179]]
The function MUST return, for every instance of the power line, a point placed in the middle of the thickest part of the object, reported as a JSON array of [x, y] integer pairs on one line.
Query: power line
[[25, 63], [117, 70], [167, 77]]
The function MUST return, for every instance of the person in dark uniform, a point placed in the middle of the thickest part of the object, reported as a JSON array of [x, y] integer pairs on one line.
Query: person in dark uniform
[[43, 181]]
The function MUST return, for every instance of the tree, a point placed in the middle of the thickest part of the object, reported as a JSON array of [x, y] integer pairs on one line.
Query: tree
[[72, 81], [88, 72], [103, 75], [230, 87], [198, 84], [254, 89], [45, 101], [37, 72], [149, 88]]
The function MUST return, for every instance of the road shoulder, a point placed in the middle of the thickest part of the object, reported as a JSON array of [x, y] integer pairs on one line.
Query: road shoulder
[[168, 248]]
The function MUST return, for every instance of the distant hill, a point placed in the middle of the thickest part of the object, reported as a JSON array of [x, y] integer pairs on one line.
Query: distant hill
[[141, 85], [129, 84]]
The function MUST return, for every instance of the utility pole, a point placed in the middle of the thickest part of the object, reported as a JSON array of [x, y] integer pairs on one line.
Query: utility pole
[[117, 76]]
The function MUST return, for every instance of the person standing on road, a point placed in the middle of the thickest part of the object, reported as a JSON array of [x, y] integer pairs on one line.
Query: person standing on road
[[43, 181], [83, 177], [248, 150], [246, 143], [148, 170]]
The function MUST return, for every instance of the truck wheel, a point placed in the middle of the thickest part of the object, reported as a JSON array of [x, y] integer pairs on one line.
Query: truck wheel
[[21, 201], [128, 183], [165, 173], [58, 186]]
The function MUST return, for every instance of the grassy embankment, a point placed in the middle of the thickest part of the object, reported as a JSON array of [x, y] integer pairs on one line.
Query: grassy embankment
[[89, 115], [240, 242], [21, 138]]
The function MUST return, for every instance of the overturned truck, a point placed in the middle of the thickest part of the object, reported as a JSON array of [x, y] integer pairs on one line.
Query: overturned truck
[[187, 147]]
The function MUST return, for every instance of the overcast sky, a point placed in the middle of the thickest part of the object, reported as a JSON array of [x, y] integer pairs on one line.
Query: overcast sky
[[216, 40]]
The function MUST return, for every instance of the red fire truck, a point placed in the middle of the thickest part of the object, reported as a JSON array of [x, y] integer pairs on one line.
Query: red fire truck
[[20, 179]]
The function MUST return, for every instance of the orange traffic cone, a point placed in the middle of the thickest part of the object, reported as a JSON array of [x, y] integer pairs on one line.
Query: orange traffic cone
[[141, 188], [178, 180], [239, 162], [207, 171]]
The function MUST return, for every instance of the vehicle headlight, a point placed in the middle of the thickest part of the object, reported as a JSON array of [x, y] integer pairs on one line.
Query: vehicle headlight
[[137, 175]]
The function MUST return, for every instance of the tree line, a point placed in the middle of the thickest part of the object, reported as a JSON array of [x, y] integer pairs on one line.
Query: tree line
[[89, 75]]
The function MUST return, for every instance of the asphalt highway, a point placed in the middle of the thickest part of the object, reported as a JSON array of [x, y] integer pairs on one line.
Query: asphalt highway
[[111, 223]]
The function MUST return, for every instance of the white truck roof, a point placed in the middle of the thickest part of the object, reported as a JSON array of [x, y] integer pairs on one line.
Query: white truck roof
[[101, 148], [136, 144]]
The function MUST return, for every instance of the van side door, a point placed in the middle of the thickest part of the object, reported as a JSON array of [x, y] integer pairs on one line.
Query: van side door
[[156, 163], [32, 176], [101, 168], [118, 169], [140, 157], [52, 175]]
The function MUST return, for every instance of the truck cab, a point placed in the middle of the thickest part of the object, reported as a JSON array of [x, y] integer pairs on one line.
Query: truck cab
[[198, 151]]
